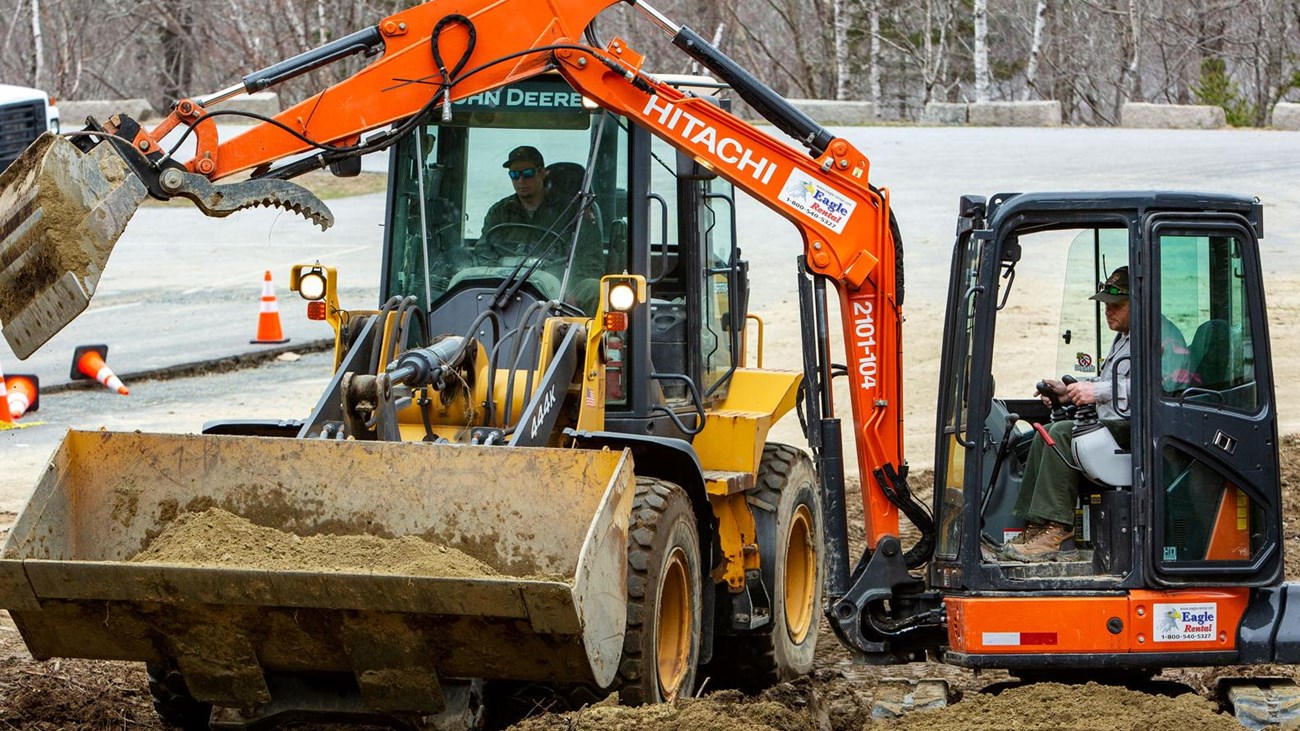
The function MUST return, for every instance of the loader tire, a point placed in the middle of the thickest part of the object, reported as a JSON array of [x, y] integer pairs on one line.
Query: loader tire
[[662, 644], [173, 702], [786, 506]]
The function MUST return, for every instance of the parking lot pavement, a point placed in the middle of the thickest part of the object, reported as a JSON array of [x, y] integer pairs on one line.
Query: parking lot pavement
[[182, 288]]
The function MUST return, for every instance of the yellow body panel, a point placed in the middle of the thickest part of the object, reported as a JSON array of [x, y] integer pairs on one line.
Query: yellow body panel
[[735, 431], [738, 537]]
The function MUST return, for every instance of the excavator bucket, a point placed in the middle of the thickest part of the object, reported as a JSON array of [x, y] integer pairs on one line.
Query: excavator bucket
[[549, 525], [61, 211]]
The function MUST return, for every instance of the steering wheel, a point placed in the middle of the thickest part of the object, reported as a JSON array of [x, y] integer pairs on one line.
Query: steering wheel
[[491, 247]]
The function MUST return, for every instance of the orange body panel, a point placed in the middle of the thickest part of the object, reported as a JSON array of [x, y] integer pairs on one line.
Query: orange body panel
[[1149, 621], [1230, 539]]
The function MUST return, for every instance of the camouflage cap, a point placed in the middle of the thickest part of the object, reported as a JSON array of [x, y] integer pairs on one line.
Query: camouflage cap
[[1114, 289], [524, 153]]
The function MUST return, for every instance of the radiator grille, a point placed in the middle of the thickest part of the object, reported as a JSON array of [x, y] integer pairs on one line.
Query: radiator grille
[[20, 123]]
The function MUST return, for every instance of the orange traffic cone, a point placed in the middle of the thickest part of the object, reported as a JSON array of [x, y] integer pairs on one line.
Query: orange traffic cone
[[6, 421], [24, 394], [268, 320], [88, 362]]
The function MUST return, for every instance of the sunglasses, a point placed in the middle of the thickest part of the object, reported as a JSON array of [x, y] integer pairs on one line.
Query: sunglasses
[[526, 173], [1111, 289]]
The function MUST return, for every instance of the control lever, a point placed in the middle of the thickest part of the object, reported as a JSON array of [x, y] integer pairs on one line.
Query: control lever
[[1058, 409], [1084, 415]]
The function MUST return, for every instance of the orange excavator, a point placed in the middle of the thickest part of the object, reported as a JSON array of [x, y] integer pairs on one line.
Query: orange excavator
[[599, 442]]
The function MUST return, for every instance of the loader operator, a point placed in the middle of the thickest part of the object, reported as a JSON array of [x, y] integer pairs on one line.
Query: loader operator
[[537, 221], [1050, 486]]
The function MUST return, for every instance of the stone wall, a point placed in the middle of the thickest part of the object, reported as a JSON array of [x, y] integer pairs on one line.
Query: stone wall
[[1015, 114], [265, 103], [830, 113], [72, 114], [1171, 116], [1286, 116], [944, 113]]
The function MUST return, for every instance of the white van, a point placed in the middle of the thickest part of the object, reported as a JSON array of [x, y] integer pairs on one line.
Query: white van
[[24, 114]]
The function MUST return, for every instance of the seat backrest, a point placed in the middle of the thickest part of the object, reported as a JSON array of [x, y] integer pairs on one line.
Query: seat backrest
[[565, 179], [1209, 356]]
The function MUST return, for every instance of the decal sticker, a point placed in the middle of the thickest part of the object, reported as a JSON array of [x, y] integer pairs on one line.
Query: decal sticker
[[1186, 622], [1009, 534], [1083, 363], [1018, 639], [818, 201], [1171, 553]]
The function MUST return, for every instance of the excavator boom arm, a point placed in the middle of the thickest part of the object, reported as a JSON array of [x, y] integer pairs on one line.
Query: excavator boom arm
[[440, 52]]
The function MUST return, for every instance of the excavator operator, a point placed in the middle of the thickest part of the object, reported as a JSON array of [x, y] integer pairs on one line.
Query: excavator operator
[[1050, 486], [536, 221]]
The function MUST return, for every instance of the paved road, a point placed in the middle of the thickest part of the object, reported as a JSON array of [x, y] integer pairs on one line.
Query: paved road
[[182, 287]]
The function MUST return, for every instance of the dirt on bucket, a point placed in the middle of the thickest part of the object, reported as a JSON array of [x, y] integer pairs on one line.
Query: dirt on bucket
[[215, 537]]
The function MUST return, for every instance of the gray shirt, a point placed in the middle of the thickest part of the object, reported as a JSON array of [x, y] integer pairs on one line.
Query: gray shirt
[[1106, 384]]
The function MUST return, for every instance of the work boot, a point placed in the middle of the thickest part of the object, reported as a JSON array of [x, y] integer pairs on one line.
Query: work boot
[[1047, 544], [1031, 530], [988, 550]]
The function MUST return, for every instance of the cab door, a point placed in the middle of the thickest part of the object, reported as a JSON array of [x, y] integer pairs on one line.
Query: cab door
[[1212, 508]]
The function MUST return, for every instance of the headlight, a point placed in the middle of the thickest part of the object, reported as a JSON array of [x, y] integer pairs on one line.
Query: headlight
[[621, 297], [311, 286]]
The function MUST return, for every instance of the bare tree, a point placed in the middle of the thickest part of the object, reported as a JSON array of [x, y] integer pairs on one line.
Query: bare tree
[[38, 46], [1090, 55], [877, 100], [841, 50], [1035, 49], [981, 15]]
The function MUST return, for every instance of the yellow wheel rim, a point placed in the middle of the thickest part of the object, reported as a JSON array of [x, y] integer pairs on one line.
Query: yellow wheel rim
[[673, 641], [800, 575]]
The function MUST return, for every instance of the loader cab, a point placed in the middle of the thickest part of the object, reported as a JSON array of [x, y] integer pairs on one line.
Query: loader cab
[[1189, 496], [626, 202]]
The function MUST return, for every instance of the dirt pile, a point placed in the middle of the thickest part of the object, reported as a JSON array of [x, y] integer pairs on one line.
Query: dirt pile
[[74, 694], [1056, 707], [1289, 456], [725, 711], [216, 537]]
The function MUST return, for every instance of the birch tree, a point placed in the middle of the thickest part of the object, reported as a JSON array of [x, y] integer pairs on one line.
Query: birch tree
[[981, 13], [38, 55], [1035, 49], [841, 50], [877, 101]]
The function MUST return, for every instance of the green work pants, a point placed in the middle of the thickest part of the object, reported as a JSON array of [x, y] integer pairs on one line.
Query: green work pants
[[1050, 487]]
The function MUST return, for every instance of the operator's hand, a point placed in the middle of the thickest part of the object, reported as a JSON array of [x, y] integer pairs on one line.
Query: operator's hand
[[1058, 388], [1082, 392]]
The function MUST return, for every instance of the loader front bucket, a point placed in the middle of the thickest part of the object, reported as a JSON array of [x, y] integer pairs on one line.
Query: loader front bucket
[[61, 211], [550, 524]]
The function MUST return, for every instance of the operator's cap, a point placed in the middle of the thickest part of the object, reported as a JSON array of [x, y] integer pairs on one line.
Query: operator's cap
[[1115, 288], [524, 153]]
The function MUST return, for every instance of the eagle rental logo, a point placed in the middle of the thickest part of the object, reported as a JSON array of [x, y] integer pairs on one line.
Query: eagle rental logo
[[817, 201], [1186, 622]]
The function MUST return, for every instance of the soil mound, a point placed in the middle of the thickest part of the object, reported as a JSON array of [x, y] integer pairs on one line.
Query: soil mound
[[725, 711], [215, 537], [1056, 707]]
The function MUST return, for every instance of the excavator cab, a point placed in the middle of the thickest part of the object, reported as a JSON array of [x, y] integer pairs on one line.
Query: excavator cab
[[1182, 519]]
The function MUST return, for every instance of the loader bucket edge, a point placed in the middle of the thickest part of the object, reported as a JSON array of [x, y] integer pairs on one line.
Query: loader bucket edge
[[552, 525]]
